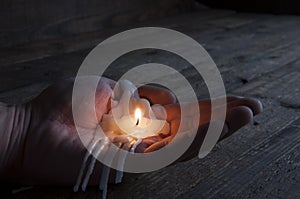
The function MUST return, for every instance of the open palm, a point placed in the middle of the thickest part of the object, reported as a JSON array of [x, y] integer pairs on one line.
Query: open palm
[[53, 151]]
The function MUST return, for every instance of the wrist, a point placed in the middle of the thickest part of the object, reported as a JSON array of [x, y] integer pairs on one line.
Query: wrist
[[14, 122]]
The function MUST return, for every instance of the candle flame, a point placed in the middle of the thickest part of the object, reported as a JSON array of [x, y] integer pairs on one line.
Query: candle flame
[[138, 115]]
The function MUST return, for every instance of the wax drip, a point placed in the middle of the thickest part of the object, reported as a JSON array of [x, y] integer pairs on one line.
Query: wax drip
[[104, 180], [123, 94], [105, 171], [92, 163], [120, 166], [91, 147], [121, 162], [132, 150], [119, 174]]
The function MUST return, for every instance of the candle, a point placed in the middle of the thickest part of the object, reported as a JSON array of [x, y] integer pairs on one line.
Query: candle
[[129, 121], [131, 115], [136, 126]]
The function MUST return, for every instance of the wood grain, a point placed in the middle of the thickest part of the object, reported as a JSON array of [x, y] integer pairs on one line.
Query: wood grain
[[258, 56]]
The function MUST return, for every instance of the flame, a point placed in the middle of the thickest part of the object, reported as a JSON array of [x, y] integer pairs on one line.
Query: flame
[[138, 115]]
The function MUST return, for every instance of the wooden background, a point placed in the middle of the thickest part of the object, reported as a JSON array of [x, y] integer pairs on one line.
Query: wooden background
[[257, 55], [23, 21]]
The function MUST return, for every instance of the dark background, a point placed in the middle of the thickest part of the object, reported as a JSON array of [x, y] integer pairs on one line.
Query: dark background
[[23, 21], [255, 45]]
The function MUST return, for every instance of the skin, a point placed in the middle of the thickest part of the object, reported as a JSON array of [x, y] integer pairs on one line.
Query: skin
[[51, 151]]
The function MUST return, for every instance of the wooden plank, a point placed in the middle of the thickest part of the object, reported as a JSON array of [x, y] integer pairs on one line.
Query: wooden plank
[[247, 167], [27, 75], [231, 43], [255, 51], [44, 70], [25, 22], [66, 58], [282, 85], [23, 94], [279, 179], [42, 49]]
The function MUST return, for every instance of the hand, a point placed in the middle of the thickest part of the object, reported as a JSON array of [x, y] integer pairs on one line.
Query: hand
[[240, 111], [53, 151]]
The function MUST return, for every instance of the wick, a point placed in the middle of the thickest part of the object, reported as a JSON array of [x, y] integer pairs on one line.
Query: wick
[[138, 121]]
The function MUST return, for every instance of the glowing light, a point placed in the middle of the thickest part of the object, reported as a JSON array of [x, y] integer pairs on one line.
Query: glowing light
[[138, 115]]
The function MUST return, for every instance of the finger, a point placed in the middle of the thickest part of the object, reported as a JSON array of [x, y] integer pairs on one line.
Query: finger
[[237, 118], [174, 113], [205, 104], [152, 139], [245, 114], [205, 115], [194, 148], [157, 95], [174, 110], [254, 104], [158, 145], [146, 143]]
